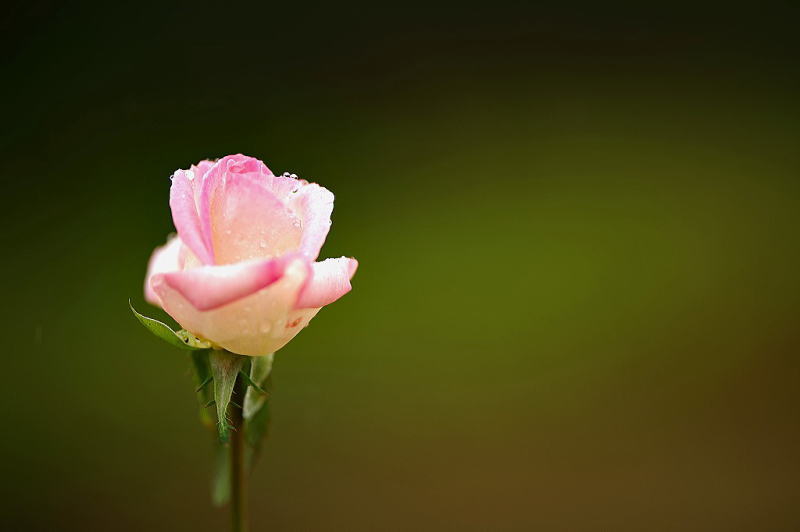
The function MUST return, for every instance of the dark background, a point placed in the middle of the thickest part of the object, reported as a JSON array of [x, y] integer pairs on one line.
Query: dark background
[[577, 225]]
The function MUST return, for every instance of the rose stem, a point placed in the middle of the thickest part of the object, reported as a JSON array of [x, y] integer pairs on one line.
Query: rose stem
[[238, 477]]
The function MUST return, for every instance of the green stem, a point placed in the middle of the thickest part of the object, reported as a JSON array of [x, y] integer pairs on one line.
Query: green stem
[[238, 477]]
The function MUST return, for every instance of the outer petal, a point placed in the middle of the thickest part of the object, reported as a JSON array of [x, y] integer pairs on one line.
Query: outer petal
[[255, 325], [314, 205], [330, 280], [210, 287], [200, 170], [184, 215], [166, 258]]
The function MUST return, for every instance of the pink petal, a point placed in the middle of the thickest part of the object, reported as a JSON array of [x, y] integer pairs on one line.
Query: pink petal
[[330, 280], [231, 166], [314, 205], [259, 323], [284, 187], [184, 215], [200, 170], [166, 258], [243, 218], [209, 287]]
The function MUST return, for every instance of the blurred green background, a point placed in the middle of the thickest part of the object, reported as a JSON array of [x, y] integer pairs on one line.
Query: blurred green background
[[577, 227]]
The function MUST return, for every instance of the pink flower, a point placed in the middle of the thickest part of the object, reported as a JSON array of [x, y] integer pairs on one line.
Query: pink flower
[[241, 272]]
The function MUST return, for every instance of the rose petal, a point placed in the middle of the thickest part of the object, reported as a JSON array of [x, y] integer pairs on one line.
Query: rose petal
[[209, 287], [330, 280], [200, 170], [185, 217], [283, 187], [166, 258], [255, 325], [314, 205], [249, 222], [243, 218]]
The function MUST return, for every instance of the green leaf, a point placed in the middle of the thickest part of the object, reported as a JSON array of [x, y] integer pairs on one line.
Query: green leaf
[[180, 339], [225, 367], [221, 484], [255, 396]]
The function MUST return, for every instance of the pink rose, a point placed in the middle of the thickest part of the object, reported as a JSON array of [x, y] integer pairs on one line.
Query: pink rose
[[241, 272]]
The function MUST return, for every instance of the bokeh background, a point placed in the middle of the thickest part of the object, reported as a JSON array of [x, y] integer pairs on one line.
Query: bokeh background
[[577, 307]]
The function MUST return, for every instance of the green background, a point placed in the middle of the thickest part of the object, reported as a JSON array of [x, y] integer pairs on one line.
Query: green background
[[577, 301]]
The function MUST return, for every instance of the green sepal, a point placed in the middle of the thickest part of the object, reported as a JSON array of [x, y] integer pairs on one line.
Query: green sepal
[[208, 380], [256, 395], [257, 430], [225, 367], [181, 339], [249, 382], [195, 342], [203, 377]]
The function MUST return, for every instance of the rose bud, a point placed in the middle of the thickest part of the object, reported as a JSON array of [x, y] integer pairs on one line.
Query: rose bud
[[242, 270]]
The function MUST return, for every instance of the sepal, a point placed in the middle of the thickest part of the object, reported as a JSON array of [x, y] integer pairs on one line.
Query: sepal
[[180, 339], [256, 395], [204, 382], [256, 410], [257, 429], [225, 368]]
